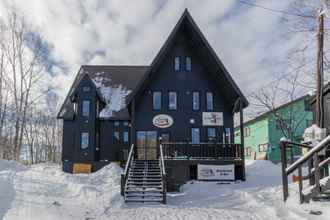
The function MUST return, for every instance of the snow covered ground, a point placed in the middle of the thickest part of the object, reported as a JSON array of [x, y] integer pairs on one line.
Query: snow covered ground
[[44, 192]]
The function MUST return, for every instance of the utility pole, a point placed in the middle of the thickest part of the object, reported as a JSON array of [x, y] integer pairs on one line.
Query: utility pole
[[319, 70]]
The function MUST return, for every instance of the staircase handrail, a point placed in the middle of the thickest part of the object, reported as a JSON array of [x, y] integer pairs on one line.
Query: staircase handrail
[[319, 147], [162, 164], [124, 175], [129, 159], [162, 159]]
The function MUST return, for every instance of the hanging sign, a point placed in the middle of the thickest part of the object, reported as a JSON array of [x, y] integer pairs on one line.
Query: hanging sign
[[162, 121], [216, 172], [212, 119]]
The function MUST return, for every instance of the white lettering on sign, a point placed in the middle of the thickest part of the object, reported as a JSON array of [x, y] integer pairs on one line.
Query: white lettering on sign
[[162, 121], [216, 172], [212, 119]]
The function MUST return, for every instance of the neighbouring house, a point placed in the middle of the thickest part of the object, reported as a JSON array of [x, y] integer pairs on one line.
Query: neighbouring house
[[178, 110], [263, 133]]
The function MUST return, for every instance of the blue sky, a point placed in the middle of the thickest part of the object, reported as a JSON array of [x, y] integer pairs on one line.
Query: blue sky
[[252, 42]]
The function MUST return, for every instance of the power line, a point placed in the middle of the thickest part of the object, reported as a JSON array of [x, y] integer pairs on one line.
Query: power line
[[275, 10]]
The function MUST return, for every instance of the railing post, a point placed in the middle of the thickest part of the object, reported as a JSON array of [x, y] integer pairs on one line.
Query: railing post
[[284, 176], [301, 198]]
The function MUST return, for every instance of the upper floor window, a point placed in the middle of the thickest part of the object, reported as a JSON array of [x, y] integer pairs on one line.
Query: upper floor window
[[177, 63], [195, 136], [125, 123], [247, 132], [188, 64], [209, 101], [75, 107], [211, 134], [84, 140], [116, 123], [86, 89], [196, 102], [172, 101], [85, 108], [116, 135], [157, 100]]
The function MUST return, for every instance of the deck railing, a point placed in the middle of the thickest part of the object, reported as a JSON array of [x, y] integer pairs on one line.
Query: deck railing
[[188, 150], [163, 172], [124, 175]]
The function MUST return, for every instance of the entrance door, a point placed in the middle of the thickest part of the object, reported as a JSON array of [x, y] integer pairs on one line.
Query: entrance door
[[146, 145]]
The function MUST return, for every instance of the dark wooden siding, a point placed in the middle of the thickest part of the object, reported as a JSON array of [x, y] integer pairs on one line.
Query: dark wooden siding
[[166, 79]]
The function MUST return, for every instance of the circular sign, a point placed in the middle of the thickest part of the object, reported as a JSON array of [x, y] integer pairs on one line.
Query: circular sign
[[162, 121]]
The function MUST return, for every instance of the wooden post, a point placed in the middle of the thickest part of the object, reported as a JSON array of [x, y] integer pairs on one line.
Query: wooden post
[[319, 71], [316, 172], [301, 198], [284, 176], [242, 137]]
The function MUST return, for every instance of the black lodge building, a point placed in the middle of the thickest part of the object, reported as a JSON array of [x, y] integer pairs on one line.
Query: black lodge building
[[167, 123]]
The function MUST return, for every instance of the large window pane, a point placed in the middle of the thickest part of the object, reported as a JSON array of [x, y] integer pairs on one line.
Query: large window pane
[[211, 134], [195, 100], [84, 140], [177, 63], [125, 136], [209, 101], [157, 100], [172, 100], [195, 136], [85, 108], [116, 135], [188, 64]]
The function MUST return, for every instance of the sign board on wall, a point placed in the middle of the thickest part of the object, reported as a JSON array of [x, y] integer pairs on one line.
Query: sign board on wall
[[162, 121], [212, 119], [216, 172]]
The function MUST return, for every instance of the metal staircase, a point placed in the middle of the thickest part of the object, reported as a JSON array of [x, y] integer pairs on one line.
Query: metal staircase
[[144, 181]]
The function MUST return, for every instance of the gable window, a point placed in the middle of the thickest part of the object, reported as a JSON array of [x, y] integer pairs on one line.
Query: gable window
[[172, 101], [85, 108], [157, 100], [196, 101], [188, 64], [177, 63], [263, 147], [116, 136], [84, 140], [125, 136], [211, 134], [75, 108], [86, 89], [195, 136], [209, 101]]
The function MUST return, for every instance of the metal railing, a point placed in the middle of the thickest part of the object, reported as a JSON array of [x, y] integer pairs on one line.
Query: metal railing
[[188, 150], [124, 175], [314, 166], [163, 172]]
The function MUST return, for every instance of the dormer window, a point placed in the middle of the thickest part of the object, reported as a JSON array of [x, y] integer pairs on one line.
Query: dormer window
[[86, 89], [177, 63], [85, 108]]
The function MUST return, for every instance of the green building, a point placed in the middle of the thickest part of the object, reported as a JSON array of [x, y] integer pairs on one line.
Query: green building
[[263, 133]]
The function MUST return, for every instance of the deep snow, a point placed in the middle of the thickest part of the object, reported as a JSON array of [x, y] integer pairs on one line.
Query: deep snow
[[44, 192]]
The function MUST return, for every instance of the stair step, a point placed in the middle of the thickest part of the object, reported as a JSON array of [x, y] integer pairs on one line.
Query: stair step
[[144, 200], [146, 188], [144, 195], [144, 191]]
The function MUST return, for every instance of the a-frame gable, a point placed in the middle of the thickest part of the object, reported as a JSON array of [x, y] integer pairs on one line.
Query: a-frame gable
[[219, 70]]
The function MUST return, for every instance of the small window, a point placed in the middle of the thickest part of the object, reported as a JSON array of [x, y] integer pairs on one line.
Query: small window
[[195, 136], [177, 63], [75, 107], [263, 147], [84, 140], [209, 101], [86, 89], [125, 136], [196, 102], [116, 123], [211, 134], [172, 100], [188, 64], [157, 100], [126, 123], [247, 132], [116, 135], [248, 151], [85, 108]]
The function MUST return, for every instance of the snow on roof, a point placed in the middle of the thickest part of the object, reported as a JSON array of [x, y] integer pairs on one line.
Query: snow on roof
[[113, 95]]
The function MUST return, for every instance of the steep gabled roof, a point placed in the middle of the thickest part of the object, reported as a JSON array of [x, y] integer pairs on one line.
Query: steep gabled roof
[[206, 52], [127, 76]]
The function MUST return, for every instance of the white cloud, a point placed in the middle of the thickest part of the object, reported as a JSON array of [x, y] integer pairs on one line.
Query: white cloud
[[131, 32]]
